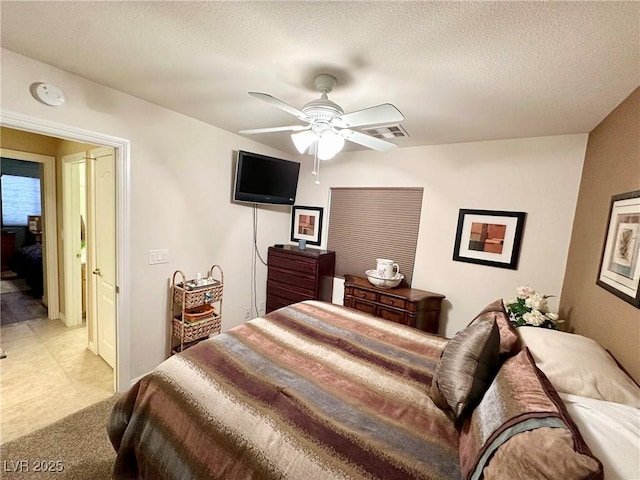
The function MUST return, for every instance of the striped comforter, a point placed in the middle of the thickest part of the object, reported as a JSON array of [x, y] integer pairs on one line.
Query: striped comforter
[[310, 391]]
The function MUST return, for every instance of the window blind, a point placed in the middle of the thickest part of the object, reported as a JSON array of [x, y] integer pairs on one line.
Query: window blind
[[370, 223], [20, 198]]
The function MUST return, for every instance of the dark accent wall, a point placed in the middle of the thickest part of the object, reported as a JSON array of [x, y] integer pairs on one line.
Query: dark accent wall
[[611, 167]]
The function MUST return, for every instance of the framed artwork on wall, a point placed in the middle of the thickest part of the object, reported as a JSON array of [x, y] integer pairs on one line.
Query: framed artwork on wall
[[620, 262], [306, 224], [489, 237]]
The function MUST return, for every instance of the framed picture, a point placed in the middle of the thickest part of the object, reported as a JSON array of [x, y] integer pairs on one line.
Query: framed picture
[[620, 261], [489, 237], [306, 224]]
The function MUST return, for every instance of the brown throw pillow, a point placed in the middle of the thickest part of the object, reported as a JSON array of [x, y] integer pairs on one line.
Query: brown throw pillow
[[509, 340], [467, 366], [535, 454], [521, 429]]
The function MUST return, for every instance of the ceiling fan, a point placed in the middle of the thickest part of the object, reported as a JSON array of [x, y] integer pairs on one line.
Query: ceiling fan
[[327, 125]]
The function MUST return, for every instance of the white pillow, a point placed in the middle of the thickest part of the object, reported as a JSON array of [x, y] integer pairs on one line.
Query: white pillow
[[579, 366], [612, 432]]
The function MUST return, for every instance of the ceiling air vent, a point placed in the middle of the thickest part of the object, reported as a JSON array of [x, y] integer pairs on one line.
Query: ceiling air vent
[[386, 132]]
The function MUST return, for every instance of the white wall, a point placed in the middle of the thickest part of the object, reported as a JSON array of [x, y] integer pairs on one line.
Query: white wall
[[539, 176], [181, 175], [180, 190]]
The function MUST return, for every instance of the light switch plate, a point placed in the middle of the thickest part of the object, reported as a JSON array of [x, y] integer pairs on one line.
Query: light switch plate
[[158, 256]]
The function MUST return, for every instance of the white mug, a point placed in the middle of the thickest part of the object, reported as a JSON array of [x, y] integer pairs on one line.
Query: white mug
[[386, 268]]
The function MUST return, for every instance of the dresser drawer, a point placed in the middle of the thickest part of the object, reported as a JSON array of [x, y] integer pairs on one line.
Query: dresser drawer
[[274, 303], [283, 290], [397, 316], [357, 293], [298, 279], [294, 263], [362, 306], [392, 301]]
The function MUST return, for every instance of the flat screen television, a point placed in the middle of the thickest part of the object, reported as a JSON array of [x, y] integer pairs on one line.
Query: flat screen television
[[264, 179]]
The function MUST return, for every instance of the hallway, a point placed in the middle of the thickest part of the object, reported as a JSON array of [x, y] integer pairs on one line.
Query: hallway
[[48, 372]]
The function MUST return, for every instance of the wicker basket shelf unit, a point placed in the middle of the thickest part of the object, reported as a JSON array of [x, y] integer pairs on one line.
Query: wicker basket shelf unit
[[196, 311]]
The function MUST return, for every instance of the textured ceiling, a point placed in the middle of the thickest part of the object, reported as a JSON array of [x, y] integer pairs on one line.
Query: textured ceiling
[[458, 71]]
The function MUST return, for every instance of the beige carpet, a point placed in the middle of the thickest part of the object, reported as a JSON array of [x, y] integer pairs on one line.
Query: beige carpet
[[77, 446]]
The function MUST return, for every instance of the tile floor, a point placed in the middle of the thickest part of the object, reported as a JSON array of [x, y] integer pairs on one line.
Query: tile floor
[[48, 373]]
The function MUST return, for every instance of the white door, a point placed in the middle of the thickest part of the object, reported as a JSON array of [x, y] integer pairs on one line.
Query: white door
[[104, 252], [71, 227]]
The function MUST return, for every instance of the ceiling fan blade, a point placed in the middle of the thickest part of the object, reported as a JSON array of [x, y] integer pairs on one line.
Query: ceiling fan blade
[[385, 113], [367, 140], [281, 105], [289, 128]]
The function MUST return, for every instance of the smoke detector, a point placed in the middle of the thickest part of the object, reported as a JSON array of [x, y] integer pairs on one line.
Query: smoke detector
[[47, 94]]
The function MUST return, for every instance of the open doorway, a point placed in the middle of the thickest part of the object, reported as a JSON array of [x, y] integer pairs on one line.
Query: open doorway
[[51, 355], [23, 230], [20, 218], [21, 221], [122, 150]]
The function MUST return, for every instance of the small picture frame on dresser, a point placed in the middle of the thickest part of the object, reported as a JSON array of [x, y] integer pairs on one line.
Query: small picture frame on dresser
[[306, 224]]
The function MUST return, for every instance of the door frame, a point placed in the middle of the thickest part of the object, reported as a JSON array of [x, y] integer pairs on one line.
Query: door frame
[[50, 221], [122, 148]]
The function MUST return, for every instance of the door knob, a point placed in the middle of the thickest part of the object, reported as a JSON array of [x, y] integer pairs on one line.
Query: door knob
[[97, 271]]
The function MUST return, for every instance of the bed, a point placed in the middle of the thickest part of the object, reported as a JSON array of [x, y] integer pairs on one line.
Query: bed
[[27, 263], [319, 391]]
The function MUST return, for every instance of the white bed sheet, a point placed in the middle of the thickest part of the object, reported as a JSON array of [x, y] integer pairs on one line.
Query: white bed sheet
[[612, 432]]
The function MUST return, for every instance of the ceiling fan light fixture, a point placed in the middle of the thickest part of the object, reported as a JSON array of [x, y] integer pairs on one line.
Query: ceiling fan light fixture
[[303, 140], [329, 144]]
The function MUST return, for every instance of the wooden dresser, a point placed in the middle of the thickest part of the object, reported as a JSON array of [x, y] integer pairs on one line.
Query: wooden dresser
[[295, 275], [8, 248], [409, 306]]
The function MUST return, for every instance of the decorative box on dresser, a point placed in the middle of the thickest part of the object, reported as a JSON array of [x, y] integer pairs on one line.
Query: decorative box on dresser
[[295, 275], [409, 306]]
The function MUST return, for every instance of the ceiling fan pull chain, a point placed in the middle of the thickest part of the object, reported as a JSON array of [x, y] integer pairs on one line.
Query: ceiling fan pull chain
[[315, 161], [316, 167]]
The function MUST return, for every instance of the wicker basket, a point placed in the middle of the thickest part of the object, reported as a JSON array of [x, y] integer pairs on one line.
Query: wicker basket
[[194, 331], [197, 296], [195, 314]]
